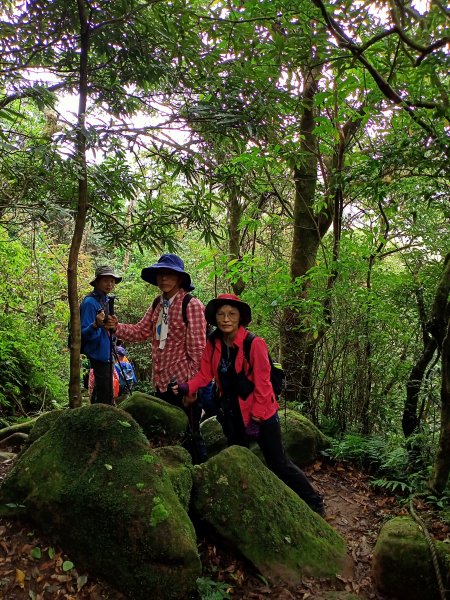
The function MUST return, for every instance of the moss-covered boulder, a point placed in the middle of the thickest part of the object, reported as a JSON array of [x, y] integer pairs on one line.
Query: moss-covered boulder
[[161, 422], [43, 423], [94, 483], [178, 464], [302, 439], [402, 563], [269, 524], [212, 433]]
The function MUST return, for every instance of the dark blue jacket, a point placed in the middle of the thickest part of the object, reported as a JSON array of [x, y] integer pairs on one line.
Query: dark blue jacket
[[95, 343]]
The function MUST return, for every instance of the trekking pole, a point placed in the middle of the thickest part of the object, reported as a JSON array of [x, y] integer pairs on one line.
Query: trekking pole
[[111, 350]]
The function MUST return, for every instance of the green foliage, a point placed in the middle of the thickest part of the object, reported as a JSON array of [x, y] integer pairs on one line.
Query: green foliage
[[33, 319], [212, 590], [396, 466]]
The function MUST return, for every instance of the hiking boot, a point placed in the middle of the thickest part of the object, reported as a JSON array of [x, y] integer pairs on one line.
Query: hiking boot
[[319, 508]]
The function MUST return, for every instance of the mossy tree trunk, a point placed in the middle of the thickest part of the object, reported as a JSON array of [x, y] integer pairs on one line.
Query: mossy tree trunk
[[75, 398], [442, 464], [297, 342], [433, 337]]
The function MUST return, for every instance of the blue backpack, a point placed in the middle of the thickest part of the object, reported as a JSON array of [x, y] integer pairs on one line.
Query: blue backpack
[[126, 374]]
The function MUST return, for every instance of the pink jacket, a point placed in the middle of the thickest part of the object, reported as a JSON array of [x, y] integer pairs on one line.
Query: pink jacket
[[261, 403]]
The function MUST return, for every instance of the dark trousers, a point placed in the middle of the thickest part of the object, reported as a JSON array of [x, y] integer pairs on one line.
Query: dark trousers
[[193, 442], [271, 444], [103, 383]]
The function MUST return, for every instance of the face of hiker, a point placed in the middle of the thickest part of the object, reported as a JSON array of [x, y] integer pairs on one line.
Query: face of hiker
[[105, 284], [169, 282], [227, 318]]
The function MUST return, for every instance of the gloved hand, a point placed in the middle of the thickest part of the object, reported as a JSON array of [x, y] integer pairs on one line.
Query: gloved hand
[[182, 389], [252, 430]]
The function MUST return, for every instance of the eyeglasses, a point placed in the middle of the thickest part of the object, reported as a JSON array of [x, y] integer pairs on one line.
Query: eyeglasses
[[231, 316]]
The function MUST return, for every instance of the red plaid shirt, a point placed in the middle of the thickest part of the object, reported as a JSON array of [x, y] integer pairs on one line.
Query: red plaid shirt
[[180, 357]]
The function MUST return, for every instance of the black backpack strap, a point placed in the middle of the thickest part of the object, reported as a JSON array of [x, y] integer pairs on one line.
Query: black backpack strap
[[187, 298], [155, 302], [248, 341]]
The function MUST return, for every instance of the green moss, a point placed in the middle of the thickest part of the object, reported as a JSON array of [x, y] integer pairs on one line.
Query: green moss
[[43, 424], [281, 536], [402, 563], [86, 471], [160, 421], [178, 464], [159, 512]]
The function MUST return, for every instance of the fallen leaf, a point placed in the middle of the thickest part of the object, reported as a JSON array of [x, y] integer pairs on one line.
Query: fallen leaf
[[20, 578]]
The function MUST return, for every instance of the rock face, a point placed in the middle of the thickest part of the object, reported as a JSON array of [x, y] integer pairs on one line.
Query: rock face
[[161, 422], [402, 563], [93, 482], [268, 523]]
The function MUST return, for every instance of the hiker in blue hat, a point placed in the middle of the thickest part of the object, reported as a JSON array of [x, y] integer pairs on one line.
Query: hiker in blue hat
[[175, 322]]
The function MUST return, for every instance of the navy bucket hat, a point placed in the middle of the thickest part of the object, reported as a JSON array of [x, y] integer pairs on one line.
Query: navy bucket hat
[[171, 262]]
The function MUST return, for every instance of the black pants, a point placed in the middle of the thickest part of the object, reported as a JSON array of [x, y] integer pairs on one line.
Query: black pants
[[103, 382], [193, 442], [271, 444]]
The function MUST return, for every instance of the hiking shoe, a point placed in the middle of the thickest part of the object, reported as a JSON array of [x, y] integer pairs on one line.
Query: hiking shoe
[[319, 509]]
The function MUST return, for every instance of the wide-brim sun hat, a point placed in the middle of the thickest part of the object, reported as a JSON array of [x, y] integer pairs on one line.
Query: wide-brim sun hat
[[171, 262], [213, 306], [105, 271]]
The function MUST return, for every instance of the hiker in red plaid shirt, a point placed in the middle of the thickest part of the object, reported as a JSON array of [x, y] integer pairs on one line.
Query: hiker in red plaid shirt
[[177, 343]]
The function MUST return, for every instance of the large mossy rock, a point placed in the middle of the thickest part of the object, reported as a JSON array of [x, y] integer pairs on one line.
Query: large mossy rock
[[178, 464], [160, 421], [94, 483], [269, 524], [212, 433], [43, 423], [402, 563], [301, 438]]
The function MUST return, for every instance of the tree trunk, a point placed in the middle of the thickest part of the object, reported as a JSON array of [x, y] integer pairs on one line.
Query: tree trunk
[[75, 398], [433, 338], [296, 343], [234, 247], [442, 463]]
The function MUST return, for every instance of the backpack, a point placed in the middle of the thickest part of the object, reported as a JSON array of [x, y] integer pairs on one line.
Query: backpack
[[277, 375], [187, 298], [126, 374]]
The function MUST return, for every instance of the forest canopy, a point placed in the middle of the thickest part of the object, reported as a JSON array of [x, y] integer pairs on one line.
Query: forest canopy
[[295, 153]]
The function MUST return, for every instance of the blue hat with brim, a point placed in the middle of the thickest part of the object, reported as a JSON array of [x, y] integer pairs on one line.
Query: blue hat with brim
[[171, 262]]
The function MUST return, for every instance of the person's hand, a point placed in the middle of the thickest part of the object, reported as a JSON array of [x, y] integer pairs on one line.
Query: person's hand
[[100, 317], [180, 389], [252, 430], [110, 323]]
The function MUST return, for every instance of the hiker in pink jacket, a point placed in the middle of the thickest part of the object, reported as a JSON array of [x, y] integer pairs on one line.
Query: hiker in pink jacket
[[248, 405]]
